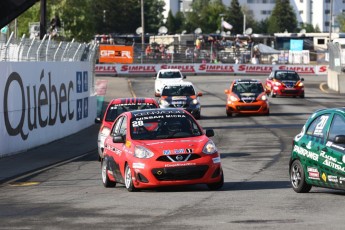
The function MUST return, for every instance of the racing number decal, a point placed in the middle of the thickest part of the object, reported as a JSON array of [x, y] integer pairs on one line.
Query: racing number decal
[[319, 127], [137, 123]]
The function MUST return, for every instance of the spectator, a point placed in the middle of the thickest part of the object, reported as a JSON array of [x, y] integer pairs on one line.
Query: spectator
[[148, 51], [188, 53]]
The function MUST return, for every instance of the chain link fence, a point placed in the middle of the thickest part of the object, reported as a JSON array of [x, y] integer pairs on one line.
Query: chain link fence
[[47, 49]]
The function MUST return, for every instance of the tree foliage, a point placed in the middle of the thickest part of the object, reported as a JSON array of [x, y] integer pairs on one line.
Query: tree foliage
[[234, 16], [341, 21], [283, 18]]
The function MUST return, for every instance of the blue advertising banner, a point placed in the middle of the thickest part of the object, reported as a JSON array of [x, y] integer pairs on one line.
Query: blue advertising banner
[[296, 45]]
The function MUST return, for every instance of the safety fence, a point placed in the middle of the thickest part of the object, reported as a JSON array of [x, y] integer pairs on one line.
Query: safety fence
[[47, 49], [336, 57]]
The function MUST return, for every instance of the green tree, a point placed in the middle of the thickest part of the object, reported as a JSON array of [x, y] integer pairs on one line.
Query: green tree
[[283, 18], [30, 16], [341, 21], [234, 16], [171, 23], [179, 22]]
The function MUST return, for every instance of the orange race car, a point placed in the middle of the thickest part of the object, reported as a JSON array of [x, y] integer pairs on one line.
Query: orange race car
[[246, 96]]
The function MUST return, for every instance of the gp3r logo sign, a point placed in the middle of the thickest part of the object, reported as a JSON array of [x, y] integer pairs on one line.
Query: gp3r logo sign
[[82, 103], [115, 54]]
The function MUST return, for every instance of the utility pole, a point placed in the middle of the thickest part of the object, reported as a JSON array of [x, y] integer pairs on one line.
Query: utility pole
[[43, 18], [143, 31], [331, 22]]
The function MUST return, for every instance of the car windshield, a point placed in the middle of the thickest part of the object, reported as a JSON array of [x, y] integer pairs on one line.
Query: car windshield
[[115, 110], [248, 87], [164, 128], [287, 76], [170, 74], [180, 90]]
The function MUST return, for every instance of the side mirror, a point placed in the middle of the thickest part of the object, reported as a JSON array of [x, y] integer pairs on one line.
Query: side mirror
[[339, 139], [199, 94], [157, 94], [302, 79], [154, 77], [98, 120], [184, 77], [118, 139], [226, 91], [209, 132]]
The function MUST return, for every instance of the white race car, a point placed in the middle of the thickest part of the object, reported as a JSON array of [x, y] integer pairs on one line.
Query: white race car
[[167, 76]]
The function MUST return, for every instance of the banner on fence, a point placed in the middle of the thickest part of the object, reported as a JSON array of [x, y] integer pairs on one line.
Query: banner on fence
[[248, 69]]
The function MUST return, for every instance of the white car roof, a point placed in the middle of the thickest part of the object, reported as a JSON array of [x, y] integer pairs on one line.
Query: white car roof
[[169, 70]]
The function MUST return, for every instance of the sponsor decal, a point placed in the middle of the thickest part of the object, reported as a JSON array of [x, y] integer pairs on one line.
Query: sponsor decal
[[323, 69], [33, 98], [189, 150], [182, 68], [306, 153], [333, 179], [342, 180], [299, 69], [333, 165], [179, 98], [138, 68], [138, 165], [255, 68], [178, 151], [178, 165], [309, 145], [216, 160], [216, 68], [319, 127], [324, 155], [324, 177], [166, 152], [313, 173]]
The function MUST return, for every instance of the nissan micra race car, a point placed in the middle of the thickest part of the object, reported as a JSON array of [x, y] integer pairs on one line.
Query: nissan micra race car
[[114, 109], [181, 95], [285, 83], [161, 147], [246, 96], [318, 152]]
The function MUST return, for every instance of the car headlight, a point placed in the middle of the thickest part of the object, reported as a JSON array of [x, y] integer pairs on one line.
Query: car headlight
[[277, 83], [300, 84], [209, 148], [142, 152], [105, 131], [233, 98], [263, 98], [195, 101], [164, 103]]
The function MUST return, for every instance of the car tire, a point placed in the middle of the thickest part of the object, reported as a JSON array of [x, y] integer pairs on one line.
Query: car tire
[[297, 178], [268, 113], [228, 114], [302, 96], [105, 179], [217, 185], [198, 116], [128, 179]]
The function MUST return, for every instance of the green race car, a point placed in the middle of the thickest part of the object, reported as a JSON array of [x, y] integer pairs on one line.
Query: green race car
[[318, 152]]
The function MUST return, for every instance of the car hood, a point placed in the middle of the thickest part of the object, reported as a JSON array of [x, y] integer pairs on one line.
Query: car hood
[[248, 97], [179, 99], [175, 146], [289, 83], [169, 80]]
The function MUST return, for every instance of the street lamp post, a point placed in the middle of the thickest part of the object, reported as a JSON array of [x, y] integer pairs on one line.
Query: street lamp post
[[143, 31]]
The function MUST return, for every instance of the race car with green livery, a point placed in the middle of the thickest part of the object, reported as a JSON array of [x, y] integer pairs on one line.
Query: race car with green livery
[[318, 152]]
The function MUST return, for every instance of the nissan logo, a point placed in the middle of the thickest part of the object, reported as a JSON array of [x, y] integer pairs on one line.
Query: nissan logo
[[179, 158]]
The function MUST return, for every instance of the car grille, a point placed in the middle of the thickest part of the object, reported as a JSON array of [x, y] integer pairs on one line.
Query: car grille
[[248, 108], [179, 105], [248, 100], [180, 157], [180, 173], [289, 91]]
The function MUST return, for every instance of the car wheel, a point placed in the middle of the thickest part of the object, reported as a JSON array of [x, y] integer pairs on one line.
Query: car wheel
[[302, 96], [105, 179], [268, 113], [128, 179], [217, 185], [297, 178], [228, 114]]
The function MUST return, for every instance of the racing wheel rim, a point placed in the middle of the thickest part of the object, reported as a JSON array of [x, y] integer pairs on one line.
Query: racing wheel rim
[[104, 172], [296, 176], [128, 177]]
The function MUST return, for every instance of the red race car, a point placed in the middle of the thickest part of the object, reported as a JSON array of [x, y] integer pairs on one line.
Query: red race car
[[246, 96], [285, 83], [114, 109], [160, 147]]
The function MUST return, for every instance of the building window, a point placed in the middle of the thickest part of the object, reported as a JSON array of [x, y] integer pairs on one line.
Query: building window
[[320, 41], [266, 12], [264, 1], [301, 1], [300, 12], [274, 1], [328, 1], [327, 11], [250, 1], [327, 23]]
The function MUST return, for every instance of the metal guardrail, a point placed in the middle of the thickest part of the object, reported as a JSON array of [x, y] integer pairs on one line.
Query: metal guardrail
[[47, 49]]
